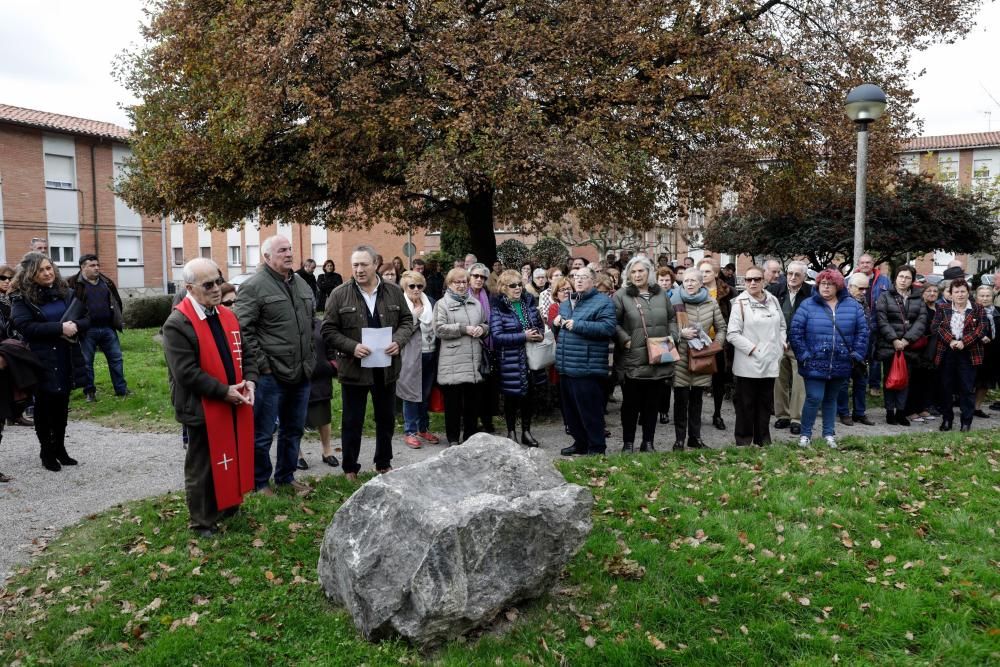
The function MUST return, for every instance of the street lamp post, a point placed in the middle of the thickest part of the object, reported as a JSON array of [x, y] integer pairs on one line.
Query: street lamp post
[[865, 104]]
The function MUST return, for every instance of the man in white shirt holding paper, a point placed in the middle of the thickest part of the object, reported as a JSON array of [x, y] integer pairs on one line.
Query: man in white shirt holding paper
[[366, 302]]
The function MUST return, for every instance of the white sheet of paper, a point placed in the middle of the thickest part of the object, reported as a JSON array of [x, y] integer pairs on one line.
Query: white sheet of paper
[[376, 340]]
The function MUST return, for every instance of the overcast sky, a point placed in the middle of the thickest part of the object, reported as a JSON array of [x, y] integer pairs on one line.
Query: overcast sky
[[58, 56]]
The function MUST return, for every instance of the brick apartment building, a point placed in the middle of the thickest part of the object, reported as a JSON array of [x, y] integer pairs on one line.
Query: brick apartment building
[[56, 174]]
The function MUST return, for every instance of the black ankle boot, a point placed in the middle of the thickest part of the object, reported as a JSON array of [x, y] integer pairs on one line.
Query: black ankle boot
[[51, 463], [528, 440], [512, 435], [945, 426], [647, 447], [890, 416], [901, 419], [678, 446], [628, 448]]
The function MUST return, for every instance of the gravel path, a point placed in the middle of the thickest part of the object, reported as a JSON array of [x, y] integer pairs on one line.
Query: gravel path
[[117, 466]]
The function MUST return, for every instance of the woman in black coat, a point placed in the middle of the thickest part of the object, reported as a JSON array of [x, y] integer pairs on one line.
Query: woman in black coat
[[901, 320], [39, 306], [515, 322]]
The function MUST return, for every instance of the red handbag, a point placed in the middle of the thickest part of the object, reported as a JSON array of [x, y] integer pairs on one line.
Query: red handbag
[[435, 402], [899, 374]]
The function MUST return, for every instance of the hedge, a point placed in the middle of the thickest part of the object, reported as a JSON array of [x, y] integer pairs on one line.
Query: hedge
[[144, 312]]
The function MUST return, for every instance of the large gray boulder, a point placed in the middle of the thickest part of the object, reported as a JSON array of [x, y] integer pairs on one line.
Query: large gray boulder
[[437, 548]]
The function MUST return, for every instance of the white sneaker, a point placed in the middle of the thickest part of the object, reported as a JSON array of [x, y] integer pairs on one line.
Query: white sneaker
[[831, 441], [804, 441], [917, 419]]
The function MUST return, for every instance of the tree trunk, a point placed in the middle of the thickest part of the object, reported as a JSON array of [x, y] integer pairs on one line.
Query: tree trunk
[[479, 218]]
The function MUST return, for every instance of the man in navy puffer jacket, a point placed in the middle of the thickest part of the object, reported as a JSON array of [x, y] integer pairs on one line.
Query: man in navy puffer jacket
[[587, 323], [829, 332]]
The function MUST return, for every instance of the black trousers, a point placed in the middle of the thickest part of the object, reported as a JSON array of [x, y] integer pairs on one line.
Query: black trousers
[[687, 413], [355, 400], [583, 408], [513, 404], [665, 392], [51, 415], [460, 410], [640, 402], [199, 488], [958, 376], [719, 380], [754, 402], [925, 387], [487, 393]]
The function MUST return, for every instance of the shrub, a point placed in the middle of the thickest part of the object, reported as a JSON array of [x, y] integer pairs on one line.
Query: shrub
[[143, 312], [550, 252], [512, 253]]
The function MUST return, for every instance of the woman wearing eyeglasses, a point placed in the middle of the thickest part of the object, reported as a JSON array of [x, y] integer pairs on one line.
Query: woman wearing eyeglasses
[[553, 274], [460, 324], [419, 363], [829, 333], [488, 399], [757, 331], [40, 301], [515, 323], [697, 313], [6, 281]]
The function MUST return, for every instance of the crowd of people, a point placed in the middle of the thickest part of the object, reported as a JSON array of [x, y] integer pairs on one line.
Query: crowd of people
[[251, 370]]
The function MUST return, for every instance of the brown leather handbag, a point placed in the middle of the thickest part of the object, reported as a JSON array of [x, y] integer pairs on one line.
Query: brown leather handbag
[[702, 362]]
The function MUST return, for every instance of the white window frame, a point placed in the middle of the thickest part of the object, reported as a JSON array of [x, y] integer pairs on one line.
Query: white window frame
[[59, 243], [253, 256], [202, 251], [177, 257], [126, 260], [233, 255], [52, 179]]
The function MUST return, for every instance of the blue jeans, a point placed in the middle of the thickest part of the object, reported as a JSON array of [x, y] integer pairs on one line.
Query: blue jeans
[[288, 404], [860, 386], [106, 339], [821, 392], [415, 417]]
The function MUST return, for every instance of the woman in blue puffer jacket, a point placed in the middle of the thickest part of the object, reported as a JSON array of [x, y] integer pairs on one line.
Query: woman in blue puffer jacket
[[515, 322], [829, 332]]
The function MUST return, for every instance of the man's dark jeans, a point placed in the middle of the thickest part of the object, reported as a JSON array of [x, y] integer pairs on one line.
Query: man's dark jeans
[[105, 339], [286, 403]]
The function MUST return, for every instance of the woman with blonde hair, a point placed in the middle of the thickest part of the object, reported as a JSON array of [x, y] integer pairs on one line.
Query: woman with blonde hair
[[514, 324], [419, 363], [643, 312], [460, 324]]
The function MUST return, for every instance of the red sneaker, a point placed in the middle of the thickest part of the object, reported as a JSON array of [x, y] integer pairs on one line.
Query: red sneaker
[[412, 442], [429, 437]]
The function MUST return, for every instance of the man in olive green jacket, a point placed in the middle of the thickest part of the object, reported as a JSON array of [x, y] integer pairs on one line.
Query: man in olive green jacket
[[275, 309], [366, 301]]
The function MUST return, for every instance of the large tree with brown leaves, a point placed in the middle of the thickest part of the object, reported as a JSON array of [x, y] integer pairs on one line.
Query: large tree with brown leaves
[[418, 112]]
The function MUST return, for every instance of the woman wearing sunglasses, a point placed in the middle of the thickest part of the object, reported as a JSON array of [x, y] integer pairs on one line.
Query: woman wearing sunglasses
[[515, 323], [39, 305], [419, 363]]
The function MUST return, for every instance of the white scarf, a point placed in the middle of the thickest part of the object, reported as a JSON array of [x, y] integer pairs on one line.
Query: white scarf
[[426, 320]]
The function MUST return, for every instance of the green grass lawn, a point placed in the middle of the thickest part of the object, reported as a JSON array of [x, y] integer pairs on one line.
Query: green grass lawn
[[149, 407], [885, 552]]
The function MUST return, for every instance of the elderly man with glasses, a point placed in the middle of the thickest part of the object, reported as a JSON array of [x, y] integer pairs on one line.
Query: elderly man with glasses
[[789, 390], [587, 324], [212, 386]]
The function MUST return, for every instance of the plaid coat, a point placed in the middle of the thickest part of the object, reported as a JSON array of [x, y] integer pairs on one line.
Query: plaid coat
[[972, 334]]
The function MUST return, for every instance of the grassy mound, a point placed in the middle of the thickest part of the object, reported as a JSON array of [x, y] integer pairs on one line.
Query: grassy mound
[[883, 553]]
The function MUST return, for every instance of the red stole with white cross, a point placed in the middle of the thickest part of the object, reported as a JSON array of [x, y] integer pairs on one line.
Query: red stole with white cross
[[230, 439]]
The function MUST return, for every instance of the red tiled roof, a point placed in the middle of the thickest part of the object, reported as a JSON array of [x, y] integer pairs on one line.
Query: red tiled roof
[[953, 142], [60, 123]]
